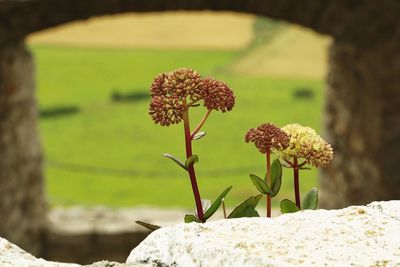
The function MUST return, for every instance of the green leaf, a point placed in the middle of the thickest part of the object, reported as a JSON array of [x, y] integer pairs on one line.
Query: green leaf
[[191, 160], [247, 208], [276, 177], [260, 184], [217, 203], [177, 161], [150, 226], [191, 218], [199, 135], [310, 201], [288, 206], [251, 213]]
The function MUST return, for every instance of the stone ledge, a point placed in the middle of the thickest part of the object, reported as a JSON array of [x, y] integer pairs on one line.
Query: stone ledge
[[354, 236], [87, 234], [12, 256]]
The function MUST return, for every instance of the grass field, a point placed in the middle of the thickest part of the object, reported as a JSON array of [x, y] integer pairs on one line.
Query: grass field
[[109, 153], [295, 52]]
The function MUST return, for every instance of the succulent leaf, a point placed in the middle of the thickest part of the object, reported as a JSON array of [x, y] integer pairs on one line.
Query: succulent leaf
[[260, 184], [276, 177], [288, 206], [191, 160], [199, 135], [310, 201], [246, 208], [216, 204], [191, 218], [177, 161]]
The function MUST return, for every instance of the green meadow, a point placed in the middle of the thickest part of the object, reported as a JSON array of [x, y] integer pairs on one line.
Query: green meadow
[[110, 152], [107, 152]]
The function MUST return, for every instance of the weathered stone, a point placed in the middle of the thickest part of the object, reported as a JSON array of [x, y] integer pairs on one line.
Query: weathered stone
[[362, 124], [354, 236], [22, 194], [12, 256]]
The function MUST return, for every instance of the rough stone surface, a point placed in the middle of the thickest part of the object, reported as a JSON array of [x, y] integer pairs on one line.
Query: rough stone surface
[[12, 256], [22, 204], [354, 236], [362, 115]]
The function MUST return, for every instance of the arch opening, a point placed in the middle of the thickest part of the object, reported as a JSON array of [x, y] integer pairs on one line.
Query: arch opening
[[90, 145]]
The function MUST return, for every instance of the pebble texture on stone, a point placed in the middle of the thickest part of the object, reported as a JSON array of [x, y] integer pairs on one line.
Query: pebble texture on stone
[[354, 236]]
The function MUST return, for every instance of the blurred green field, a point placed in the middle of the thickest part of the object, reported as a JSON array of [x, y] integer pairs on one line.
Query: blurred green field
[[109, 152]]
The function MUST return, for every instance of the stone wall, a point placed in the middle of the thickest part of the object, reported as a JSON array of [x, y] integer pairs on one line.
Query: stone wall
[[22, 205]]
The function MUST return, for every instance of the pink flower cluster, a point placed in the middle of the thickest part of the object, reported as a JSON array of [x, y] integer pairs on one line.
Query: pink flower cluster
[[268, 136], [174, 92]]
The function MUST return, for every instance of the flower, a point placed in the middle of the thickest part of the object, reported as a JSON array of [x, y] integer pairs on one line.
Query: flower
[[183, 83], [267, 136], [174, 92], [307, 144], [166, 110], [180, 83], [156, 88], [217, 95]]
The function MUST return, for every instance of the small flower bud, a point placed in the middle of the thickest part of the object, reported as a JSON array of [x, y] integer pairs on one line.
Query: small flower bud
[[217, 95], [156, 88], [267, 136], [165, 111], [183, 83]]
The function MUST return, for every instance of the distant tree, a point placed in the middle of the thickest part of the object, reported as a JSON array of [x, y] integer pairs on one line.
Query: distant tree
[[362, 110]]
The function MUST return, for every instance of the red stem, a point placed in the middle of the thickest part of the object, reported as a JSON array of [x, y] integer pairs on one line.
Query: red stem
[[302, 164], [288, 162], [192, 174], [203, 120], [296, 181], [268, 180]]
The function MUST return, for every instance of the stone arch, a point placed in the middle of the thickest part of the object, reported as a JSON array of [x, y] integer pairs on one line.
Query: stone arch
[[362, 103]]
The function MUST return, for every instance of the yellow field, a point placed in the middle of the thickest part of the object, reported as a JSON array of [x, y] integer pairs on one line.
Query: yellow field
[[203, 30], [294, 52]]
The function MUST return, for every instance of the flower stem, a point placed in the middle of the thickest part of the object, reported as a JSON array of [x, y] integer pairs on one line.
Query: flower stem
[[296, 181], [192, 174], [223, 207], [203, 120], [268, 180]]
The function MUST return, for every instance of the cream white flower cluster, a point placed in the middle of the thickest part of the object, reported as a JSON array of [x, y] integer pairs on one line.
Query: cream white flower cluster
[[305, 143]]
